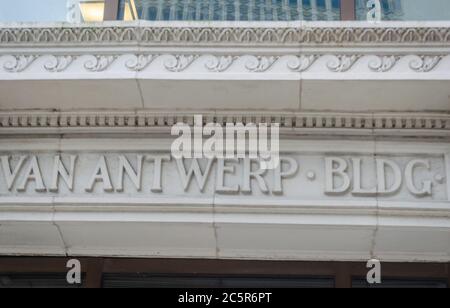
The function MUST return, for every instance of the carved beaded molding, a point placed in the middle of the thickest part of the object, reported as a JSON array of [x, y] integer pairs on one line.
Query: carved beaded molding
[[289, 120]]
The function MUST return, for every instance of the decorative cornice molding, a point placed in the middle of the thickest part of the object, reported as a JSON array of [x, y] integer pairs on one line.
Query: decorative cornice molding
[[59, 63], [18, 63], [218, 63], [246, 34], [140, 62], [240, 48], [425, 63], [259, 64], [383, 64], [178, 63], [99, 63], [302, 63], [342, 63], [403, 121]]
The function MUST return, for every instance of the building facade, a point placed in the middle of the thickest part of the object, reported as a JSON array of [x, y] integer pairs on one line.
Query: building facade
[[91, 90]]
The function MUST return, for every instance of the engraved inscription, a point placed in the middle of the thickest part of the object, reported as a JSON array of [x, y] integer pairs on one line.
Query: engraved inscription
[[297, 176]]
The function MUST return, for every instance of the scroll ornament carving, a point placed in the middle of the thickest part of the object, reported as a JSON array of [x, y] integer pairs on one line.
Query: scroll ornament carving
[[140, 61], [19, 63], [58, 63], [178, 63], [99, 63], [424, 63], [342, 63], [260, 64], [301, 63], [383, 63], [220, 63]]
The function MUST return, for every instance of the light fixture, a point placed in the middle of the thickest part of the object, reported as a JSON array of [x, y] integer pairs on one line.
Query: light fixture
[[130, 12], [92, 11]]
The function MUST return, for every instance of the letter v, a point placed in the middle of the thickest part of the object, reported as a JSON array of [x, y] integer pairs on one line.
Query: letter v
[[11, 176]]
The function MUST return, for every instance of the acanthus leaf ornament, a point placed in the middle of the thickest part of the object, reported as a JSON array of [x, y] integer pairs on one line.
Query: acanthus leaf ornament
[[259, 64], [383, 64], [178, 63], [58, 64], [99, 63], [140, 61], [19, 63], [220, 63], [301, 63], [424, 63], [342, 63]]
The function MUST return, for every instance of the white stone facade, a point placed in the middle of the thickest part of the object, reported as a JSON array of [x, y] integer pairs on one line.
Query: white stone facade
[[364, 116]]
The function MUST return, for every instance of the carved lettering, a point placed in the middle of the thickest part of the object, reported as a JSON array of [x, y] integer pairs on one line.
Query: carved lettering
[[222, 170], [33, 173], [60, 171], [409, 178], [357, 185], [336, 167], [126, 168], [250, 174], [194, 171], [143, 173], [279, 174], [157, 173], [381, 176], [101, 174], [11, 176]]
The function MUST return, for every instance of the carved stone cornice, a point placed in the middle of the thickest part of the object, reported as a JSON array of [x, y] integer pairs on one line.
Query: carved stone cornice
[[228, 34], [298, 56], [252, 48]]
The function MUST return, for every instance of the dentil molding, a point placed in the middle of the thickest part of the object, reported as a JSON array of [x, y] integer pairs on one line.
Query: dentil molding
[[404, 121]]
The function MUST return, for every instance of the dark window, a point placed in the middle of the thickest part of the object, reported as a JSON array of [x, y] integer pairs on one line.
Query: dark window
[[167, 281], [35, 280], [400, 283]]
